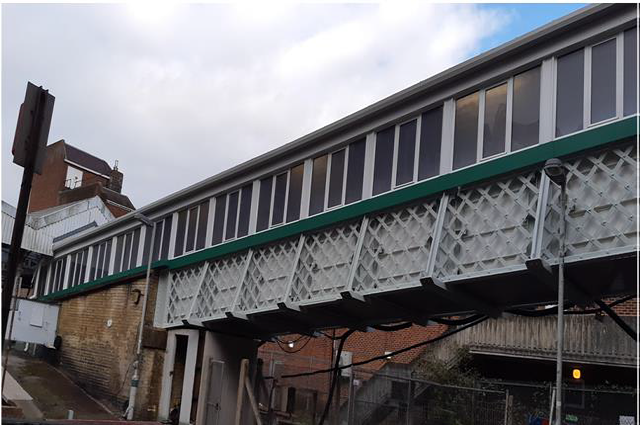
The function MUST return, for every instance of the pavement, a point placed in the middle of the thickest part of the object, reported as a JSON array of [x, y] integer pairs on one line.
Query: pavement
[[44, 393]]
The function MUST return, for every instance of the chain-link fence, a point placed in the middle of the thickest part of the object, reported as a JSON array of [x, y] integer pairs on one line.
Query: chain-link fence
[[369, 397]]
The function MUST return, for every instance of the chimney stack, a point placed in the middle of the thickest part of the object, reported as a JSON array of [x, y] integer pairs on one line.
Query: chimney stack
[[115, 182]]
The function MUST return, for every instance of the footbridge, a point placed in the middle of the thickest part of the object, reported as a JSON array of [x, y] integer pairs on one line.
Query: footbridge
[[429, 203]]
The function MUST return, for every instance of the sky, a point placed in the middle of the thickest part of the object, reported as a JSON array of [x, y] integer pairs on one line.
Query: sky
[[177, 93]]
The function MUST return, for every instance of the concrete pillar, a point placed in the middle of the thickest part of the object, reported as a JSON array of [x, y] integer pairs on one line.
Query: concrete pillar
[[219, 382]]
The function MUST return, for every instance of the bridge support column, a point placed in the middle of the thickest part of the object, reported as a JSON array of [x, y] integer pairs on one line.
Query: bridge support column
[[220, 371]]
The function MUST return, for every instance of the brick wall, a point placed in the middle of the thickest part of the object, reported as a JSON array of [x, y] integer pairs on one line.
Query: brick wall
[[45, 187], [98, 354]]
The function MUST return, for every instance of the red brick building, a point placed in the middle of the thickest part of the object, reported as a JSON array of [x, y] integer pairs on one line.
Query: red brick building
[[70, 174]]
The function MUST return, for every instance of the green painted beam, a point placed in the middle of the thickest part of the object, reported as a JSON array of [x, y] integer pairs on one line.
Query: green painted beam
[[572, 144]]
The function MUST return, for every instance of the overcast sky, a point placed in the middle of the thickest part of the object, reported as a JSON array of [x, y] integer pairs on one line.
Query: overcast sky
[[179, 93]]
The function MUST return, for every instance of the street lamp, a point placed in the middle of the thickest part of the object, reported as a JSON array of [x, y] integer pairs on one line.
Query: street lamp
[[554, 169], [133, 391]]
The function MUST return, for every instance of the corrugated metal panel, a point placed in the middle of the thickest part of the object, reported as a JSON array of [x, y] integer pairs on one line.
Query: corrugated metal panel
[[32, 240]]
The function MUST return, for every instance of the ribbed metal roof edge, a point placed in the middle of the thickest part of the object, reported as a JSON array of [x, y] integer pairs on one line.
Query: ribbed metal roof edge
[[553, 28]]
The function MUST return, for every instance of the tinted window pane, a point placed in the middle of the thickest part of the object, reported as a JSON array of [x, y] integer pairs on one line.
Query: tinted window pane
[[295, 193], [94, 261], [406, 152], [603, 81], [134, 248], [218, 219], [245, 210], [232, 214], [318, 183], [336, 178], [126, 257], [83, 265], [264, 203], [279, 198], [100, 264], [430, 142], [570, 93], [203, 219], [465, 141], [166, 235], [383, 163], [630, 71], [182, 227], [157, 239], [191, 230], [526, 109], [355, 171], [495, 121], [118, 263], [107, 259]]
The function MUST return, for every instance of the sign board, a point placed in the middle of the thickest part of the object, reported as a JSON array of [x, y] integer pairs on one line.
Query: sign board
[[26, 124], [35, 322]]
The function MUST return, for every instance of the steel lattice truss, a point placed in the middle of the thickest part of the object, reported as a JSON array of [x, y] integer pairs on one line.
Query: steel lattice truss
[[490, 228]]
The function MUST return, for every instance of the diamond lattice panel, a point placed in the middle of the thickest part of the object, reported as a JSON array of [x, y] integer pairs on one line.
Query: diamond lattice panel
[[182, 287], [396, 247], [488, 227], [265, 282], [323, 269], [219, 287], [601, 204]]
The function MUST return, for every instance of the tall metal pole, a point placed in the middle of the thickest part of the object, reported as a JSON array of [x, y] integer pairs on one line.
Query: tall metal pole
[[135, 379], [560, 307]]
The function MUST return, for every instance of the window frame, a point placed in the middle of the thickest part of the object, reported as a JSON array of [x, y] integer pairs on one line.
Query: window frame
[[226, 216], [416, 152], [327, 180], [588, 78], [273, 199]]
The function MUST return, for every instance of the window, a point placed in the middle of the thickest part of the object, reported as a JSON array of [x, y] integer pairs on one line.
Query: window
[[294, 198], [232, 215], [74, 178], [355, 171], [570, 93], [279, 198], [430, 143], [466, 131], [383, 161], [406, 152], [318, 183], [526, 109], [203, 221], [630, 71], [336, 178], [161, 240], [77, 267], [245, 210], [495, 121], [264, 203], [100, 260], [42, 279], [603, 81], [192, 229], [218, 219], [126, 251], [57, 275]]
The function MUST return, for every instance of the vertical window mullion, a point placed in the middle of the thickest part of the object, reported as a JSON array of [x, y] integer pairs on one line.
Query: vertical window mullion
[[586, 109], [394, 162], [226, 217], [416, 150], [345, 171], [273, 196], [286, 197], [327, 181], [480, 136], [509, 116]]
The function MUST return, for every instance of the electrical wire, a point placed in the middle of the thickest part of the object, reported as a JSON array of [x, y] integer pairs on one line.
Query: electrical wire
[[336, 377], [478, 320], [393, 328], [296, 350], [554, 310]]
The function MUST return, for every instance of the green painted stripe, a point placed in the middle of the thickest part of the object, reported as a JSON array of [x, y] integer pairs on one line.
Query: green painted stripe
[[596, 137], [95, 284]]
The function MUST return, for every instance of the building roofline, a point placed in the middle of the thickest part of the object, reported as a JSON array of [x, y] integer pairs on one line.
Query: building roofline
[[528, 40]]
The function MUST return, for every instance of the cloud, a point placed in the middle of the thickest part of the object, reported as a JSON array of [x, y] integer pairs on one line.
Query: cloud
[[177, 96]]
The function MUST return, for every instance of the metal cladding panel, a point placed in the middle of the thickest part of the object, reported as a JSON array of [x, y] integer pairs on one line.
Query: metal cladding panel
[[182, 288], [488, 227], [602, 195], [32, 240], [268, 273], [219, 287], [396, 247], [325, 262]]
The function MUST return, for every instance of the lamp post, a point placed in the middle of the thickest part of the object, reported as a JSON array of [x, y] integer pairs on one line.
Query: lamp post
[[133, 390], [556, 172]]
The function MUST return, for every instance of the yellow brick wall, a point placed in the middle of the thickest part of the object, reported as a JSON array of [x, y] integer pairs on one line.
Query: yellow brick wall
[[99, 357]]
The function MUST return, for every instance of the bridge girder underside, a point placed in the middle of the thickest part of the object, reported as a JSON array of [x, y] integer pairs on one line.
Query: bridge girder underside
[[484, 248]]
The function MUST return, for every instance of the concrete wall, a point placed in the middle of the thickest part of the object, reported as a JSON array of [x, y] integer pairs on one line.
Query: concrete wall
[[99, 332]]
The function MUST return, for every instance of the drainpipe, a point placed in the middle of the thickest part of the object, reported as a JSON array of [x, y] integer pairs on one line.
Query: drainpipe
[[135, 379]]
